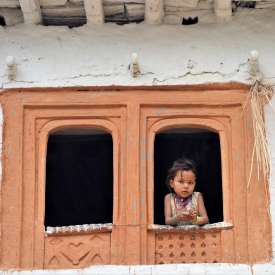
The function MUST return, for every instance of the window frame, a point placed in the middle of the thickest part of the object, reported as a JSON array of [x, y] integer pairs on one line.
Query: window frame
[[72, 229], [61, 124], [225, 113], [133, 110], [202, 123], [52, 127]]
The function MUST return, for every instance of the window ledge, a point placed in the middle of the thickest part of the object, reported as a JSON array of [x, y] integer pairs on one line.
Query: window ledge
[[213, 227], [78, 229]]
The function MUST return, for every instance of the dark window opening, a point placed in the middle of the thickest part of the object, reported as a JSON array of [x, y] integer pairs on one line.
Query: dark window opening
[[204, 148], [79, 178], [190, 20], [2, 21]]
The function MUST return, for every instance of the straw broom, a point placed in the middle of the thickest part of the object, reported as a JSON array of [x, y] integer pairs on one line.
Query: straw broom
[[259, 95]]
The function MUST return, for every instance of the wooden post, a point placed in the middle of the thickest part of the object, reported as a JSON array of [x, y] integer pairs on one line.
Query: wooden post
[[94, 11], [31, 11], [223, 10], [154, 11]]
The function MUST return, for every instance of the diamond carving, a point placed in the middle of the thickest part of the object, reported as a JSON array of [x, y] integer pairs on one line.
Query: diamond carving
[[77, 251], [186, 247]]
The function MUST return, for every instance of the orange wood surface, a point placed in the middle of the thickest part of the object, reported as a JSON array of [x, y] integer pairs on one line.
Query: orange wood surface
[[133, 117]]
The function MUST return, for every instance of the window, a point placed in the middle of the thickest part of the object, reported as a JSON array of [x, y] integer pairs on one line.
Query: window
[[136, 128], [203, 147], [79, 177]]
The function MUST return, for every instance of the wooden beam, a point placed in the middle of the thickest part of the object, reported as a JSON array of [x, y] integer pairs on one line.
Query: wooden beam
[[52, 3], [9, 3], [154, 11], [223, 10], [94, 11], [31, 11]]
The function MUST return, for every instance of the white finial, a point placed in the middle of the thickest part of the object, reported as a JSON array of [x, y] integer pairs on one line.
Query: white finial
[[11, 67], [254, 69], [254, 54], [10, 60], [134, 66], [134, 58]]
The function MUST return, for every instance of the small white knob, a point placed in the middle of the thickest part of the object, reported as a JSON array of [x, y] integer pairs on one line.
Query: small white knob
[[254, 54], [134, 58], [10, 60]]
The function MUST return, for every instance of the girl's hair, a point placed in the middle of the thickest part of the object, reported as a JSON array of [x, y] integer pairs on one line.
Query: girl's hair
[[182, 164]]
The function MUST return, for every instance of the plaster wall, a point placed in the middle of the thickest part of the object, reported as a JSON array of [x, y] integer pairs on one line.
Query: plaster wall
[[167, 54], [96, 56]]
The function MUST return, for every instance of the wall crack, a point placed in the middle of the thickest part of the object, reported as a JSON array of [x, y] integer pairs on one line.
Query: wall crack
[[203, 73], [85, 75]]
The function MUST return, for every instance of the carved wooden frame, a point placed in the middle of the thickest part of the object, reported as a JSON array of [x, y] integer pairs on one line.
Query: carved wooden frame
[[44, 125], [44, 132], [215, 123], [132, 116]]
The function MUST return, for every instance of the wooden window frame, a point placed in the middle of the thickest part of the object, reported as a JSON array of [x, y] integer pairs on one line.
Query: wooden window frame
[[133, 116]]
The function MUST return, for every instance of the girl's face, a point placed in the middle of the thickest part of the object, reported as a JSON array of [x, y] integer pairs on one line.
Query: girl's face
[[184, 183]]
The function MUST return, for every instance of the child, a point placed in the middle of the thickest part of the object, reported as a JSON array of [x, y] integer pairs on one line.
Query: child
[[183, 206]]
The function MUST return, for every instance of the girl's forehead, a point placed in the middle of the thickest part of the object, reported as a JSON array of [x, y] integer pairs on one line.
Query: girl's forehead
[[185, 174]]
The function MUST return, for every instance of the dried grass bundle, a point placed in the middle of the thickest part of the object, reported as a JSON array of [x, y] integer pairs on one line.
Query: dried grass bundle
[[260, 94]]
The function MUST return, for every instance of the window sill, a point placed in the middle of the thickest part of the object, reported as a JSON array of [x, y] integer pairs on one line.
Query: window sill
[[78, 229], [213, 227]]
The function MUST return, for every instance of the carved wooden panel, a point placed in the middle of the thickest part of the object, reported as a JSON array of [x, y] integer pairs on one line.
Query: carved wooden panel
[[77, 251], [185, 247], [133, 116]]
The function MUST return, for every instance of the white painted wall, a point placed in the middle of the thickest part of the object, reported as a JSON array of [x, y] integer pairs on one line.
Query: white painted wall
[[168, 54], [100, 55]]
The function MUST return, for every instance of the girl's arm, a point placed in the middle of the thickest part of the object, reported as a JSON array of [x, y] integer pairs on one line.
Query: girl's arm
[[169, 219], [202, 217]]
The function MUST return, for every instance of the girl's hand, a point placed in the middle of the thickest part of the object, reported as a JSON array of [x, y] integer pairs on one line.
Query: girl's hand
[[193, 213], [184, 216]]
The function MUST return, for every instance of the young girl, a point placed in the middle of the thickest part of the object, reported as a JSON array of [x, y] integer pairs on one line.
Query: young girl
[[183, 206]]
